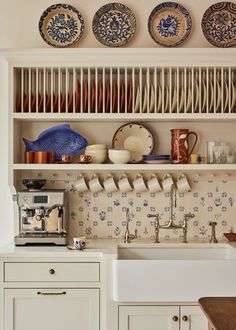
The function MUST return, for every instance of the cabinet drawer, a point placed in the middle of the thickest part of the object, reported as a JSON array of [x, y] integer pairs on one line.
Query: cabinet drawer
[[51, 272]]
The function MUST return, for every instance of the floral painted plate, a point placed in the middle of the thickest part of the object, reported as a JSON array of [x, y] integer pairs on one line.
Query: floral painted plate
[[219, 24], [136, 138], [61, 25], [169, 24], [114, 24]]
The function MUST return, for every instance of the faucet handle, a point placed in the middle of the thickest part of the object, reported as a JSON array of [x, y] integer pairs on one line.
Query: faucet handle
[[212, 223], [153, 216], [136, 233], [188, 216]]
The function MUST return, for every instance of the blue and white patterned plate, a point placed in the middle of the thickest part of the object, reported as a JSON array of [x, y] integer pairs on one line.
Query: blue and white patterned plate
[[169, 24], [114, 24], [219, 24], [61, 25]]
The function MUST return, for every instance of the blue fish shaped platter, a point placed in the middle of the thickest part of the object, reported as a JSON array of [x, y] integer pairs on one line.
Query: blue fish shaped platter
[[61, 139]]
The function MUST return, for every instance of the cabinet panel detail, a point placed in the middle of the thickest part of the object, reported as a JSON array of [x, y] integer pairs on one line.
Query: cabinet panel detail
[[51, 272], [149, 318], [75, 309]]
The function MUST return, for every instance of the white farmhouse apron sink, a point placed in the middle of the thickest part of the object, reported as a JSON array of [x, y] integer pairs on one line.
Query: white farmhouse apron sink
[[181, 272]]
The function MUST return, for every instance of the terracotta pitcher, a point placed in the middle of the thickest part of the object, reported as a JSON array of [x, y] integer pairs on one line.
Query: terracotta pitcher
[[180, 145]]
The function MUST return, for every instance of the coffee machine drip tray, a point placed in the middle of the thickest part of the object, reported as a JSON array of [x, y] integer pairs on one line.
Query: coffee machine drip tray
[[40, 238]]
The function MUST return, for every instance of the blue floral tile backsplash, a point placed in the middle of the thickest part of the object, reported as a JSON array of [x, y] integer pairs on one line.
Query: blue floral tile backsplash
[[102, 215]]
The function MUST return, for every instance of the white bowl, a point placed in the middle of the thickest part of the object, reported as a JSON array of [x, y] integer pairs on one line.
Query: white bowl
[[96, 147], [119, 156], [98, 156]]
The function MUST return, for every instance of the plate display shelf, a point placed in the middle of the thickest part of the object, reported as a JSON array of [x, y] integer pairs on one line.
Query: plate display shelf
[[83, 86]]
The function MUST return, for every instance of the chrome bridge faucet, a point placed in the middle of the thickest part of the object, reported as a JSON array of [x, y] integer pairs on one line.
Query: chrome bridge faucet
[[128, 237], [171, 224]]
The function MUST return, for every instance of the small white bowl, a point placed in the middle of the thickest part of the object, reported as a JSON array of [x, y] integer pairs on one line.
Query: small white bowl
[[98, 156], [96, 147], [119, 156]]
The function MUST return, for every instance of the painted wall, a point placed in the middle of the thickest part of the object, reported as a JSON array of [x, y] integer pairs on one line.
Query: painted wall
[[19, 29]]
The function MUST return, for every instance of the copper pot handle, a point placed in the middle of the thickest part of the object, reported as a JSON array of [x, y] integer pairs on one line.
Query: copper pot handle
[[194, 144]]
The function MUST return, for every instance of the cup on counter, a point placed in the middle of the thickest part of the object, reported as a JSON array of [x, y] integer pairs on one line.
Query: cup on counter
[[124, 184], [110, 184], [153, 184], [79, 243], [51, 157], [94, 184], [167, 182], [183, 184], [139, 184], [80, 185]]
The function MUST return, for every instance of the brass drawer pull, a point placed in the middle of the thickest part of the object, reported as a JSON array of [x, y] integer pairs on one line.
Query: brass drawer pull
[[185, 318], [51, 293], [51, 271], [175, 318]]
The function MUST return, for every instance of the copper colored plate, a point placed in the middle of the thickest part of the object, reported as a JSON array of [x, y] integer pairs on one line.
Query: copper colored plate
[[108, 97], [100, 96], [48, 103], [114, 96], [122, 96], [77, 97], [130, 96], [40, 103], [26, 104], [55, 103], [70, 103], [93, 96], [33, 102], [85, 96]]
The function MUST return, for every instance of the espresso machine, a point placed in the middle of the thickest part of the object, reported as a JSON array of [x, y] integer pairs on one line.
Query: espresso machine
[[42, 217]]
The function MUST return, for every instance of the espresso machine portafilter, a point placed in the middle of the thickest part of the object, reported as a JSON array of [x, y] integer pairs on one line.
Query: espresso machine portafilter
[[42, 217]]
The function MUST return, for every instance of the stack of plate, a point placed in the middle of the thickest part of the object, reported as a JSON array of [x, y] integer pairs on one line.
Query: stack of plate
[[156, 159]]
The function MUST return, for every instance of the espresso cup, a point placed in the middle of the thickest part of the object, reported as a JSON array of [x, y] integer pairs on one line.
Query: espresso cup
[[95, 184], [85, 159], [110, 184], [139, 184], [81, 185], [153, 184], [183, 184], [167, 183], [79, 243], [124, 184]]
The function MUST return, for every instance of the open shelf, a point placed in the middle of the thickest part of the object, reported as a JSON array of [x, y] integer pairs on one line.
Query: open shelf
[[59, 117], [128, 167]]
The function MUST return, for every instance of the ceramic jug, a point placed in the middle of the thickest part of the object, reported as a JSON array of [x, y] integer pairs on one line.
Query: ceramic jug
[[180, 145]]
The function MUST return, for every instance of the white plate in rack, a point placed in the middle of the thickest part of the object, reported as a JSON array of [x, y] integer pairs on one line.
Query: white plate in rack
[[136, 138]]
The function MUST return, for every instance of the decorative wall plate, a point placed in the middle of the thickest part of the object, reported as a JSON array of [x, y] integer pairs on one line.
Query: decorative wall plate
[[134, 137], [219, 24], [114, 24], [61, 25], [169, 24]]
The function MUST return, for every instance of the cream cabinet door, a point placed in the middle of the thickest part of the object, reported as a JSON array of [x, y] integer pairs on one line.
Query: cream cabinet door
[[149, 318], [192, 318], [51, 309]]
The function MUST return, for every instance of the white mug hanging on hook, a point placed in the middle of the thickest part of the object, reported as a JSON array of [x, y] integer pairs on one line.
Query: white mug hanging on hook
[[94, 184], [153, 184], [80, 185], [124, 184], [110, 184], [183, 184], [139, 184], [167, 183]]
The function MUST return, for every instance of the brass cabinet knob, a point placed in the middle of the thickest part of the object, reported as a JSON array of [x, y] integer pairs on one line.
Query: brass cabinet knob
[[185, 318], [51, 271], [175, 318]]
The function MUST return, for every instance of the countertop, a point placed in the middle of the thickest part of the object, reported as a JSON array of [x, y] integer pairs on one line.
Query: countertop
[[98, 248], [220, 311]]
